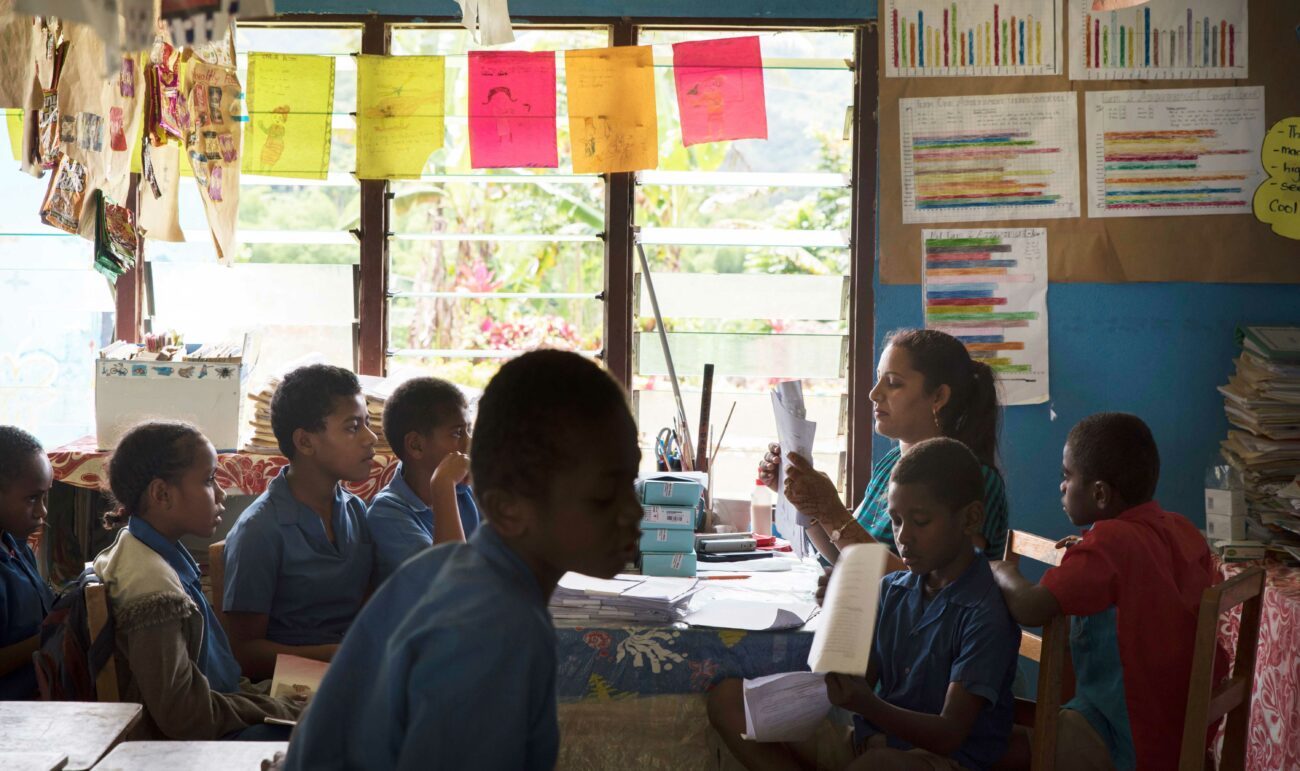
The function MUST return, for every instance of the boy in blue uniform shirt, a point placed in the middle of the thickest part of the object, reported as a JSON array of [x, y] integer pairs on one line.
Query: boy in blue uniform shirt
[[299, 561], [25, 598], [452, 663], [937, 691], [429, 501]]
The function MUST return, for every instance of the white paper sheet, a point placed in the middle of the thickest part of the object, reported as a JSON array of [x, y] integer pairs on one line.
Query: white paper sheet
[[842, 642], [1009, 331], [785, 707], [753, 615], [795, 434], [577, 582]]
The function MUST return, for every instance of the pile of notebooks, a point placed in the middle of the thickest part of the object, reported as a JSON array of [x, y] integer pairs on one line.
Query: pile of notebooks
[[628, 598], [1262, 402], [261, 439]]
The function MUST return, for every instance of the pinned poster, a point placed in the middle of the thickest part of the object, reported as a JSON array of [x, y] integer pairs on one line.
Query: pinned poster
[[720, 90], [512, 110], [612, 120], [1277, 199], [399, 114], [290, 115]]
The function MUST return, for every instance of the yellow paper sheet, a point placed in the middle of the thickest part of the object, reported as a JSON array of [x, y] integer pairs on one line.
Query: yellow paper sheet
[[290, 106], [14, 121], [612, 118], [399, 114]]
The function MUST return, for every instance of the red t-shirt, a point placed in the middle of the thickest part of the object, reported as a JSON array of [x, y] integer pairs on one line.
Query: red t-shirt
[[1152, 566]]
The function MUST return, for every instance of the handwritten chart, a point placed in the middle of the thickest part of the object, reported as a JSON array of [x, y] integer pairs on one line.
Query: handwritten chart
[[930, 38], [1159, 40], [988, 288], [982, 158], [1173, 151]]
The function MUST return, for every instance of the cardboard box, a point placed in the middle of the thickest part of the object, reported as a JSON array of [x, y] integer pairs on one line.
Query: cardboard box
[[1225, 503], [207, 394], [667, 540], [1225, 528], [672, 517], [676, 565]]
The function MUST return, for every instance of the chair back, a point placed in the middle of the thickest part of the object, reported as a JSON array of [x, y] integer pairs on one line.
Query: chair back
[[217, 572], [106, 686], [1207, 701]]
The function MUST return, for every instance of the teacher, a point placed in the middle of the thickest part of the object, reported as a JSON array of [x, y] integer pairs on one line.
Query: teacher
[[927, 385]]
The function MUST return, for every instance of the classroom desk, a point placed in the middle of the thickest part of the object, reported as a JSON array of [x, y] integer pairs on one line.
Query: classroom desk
[[646, 685], [33, 761], [83, 731], [191, 756], [1274, 736]]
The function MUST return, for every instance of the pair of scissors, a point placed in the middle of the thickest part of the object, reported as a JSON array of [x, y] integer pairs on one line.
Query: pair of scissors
[[668, 450]]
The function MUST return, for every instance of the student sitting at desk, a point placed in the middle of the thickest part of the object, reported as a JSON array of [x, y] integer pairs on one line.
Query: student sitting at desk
[[299, 561], [172, 654], [25, 598], [453, 662], [937, 691], [428, 502], [1132, 585]]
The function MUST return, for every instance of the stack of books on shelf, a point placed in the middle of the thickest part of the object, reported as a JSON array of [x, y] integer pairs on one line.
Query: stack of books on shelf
[[261, 439], [1262, 402]]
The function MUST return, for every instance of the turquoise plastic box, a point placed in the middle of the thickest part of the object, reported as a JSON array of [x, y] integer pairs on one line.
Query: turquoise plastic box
[[667, 540], [669, 517], [671, 492], [675, 565]]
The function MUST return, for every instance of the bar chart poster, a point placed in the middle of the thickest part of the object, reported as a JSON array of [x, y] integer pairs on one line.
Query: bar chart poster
[[988, 289], [989, 158], [1159, 40], [932, 38], [1177, 151]]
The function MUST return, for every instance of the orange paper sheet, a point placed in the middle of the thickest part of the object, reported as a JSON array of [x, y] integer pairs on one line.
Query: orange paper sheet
[[612, 119]]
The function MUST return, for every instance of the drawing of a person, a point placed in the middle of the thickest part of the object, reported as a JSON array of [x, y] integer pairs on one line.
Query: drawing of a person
[[274, 130]]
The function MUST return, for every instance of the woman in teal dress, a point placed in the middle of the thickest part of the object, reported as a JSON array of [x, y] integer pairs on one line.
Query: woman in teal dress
[[927, 385]]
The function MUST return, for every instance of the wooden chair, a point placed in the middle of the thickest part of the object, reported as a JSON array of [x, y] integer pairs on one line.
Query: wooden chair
[[1051, 651], [1206, 701], [106, 686], [217, 573]]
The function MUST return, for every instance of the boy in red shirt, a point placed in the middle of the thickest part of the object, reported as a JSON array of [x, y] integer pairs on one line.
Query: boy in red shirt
[[1132, 585]]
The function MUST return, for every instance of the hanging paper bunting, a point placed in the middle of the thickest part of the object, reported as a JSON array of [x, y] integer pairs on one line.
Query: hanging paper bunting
[[213, 148], [290, 114], [399, 114], [720, 90], [512, 110], [612, 119]]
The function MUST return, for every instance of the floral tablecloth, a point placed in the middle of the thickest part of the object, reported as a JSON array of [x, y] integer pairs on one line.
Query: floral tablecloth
[[1274, 741], [81, 464]]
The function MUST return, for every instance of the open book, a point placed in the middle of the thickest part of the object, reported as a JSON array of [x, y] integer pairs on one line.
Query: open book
[[295, 675], [848, 619]]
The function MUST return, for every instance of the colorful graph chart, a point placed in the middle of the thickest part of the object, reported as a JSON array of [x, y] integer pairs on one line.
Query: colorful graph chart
[[984, 158], [932, 38], [1159, 40], [1173, 151], [988, 288]]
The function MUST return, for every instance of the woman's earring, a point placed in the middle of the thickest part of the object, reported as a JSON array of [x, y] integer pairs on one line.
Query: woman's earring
[[937, 424]]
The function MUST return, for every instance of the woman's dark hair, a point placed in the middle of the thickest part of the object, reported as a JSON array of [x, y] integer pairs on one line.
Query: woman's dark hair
[[971, 415], [946, 467], [154, 450]]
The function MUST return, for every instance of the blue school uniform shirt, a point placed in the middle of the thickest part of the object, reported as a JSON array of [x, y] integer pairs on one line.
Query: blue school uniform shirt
[[873, 512], [402, 525], [279, 562], [25, 599], [964, 634], [451, 665], [215, 660]]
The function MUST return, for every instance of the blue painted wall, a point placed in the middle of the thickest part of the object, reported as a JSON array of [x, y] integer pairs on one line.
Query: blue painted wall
[[523, 9]]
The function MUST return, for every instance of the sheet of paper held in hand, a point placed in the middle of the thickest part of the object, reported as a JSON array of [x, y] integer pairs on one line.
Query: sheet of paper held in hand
[[843, 641], [785, 707], [795, 433]]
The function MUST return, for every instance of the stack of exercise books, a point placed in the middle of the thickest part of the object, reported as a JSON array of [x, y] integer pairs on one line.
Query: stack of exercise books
[[1262, 402], [261, 439], [625, 598]]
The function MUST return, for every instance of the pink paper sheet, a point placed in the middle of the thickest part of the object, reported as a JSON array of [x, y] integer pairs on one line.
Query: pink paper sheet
[[512, 109]]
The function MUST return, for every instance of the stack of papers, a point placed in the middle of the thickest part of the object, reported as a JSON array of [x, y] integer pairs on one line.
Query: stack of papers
[[261, 439], [629, 598]]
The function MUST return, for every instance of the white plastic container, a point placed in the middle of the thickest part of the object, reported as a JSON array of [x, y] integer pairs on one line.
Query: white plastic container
[[760, 509]]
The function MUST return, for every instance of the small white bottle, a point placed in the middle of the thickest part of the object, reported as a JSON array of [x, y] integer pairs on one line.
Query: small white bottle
[[760, 509]]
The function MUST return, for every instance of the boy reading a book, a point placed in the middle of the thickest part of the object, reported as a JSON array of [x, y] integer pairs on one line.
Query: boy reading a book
[[453, 663], [428, 502], [1136, 569], [937, 690]]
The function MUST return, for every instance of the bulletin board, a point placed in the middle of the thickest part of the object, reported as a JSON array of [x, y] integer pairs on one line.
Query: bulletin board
[[1232, 248]]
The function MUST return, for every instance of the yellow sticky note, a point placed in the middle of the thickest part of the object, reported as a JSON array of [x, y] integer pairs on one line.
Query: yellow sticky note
[[399, 114], [612, 119], [14, 120], [1277, 199], [290, 115]]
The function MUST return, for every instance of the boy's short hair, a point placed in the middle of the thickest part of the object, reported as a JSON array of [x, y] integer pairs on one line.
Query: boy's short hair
[[420, 404], [305, 398], [946, 467], [1117, 448], [524, 431], [16, 445]]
